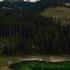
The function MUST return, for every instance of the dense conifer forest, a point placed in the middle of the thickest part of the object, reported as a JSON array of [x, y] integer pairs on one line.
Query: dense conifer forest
[[33, 35], [30, 33]]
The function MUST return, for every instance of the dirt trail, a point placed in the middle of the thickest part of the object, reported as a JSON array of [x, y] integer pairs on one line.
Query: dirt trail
[[42, 58], [32, 58]]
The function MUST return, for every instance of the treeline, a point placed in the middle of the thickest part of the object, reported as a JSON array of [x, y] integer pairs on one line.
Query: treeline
[[34, 35], [35, 8]]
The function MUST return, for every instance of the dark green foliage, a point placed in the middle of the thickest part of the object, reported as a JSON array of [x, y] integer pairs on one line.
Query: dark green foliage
[[41, 66], [33, 35]]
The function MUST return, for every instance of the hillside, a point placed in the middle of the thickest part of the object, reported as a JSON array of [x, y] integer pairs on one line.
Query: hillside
[[58, 11]]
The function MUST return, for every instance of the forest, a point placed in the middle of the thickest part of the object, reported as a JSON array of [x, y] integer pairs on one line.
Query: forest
[[33, 35]]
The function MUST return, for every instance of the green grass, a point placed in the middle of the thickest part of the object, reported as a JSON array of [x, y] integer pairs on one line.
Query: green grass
[[42, 66], [5, 59]]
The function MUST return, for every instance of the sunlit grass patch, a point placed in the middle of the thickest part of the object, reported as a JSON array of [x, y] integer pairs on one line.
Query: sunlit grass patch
[[58, 11]]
